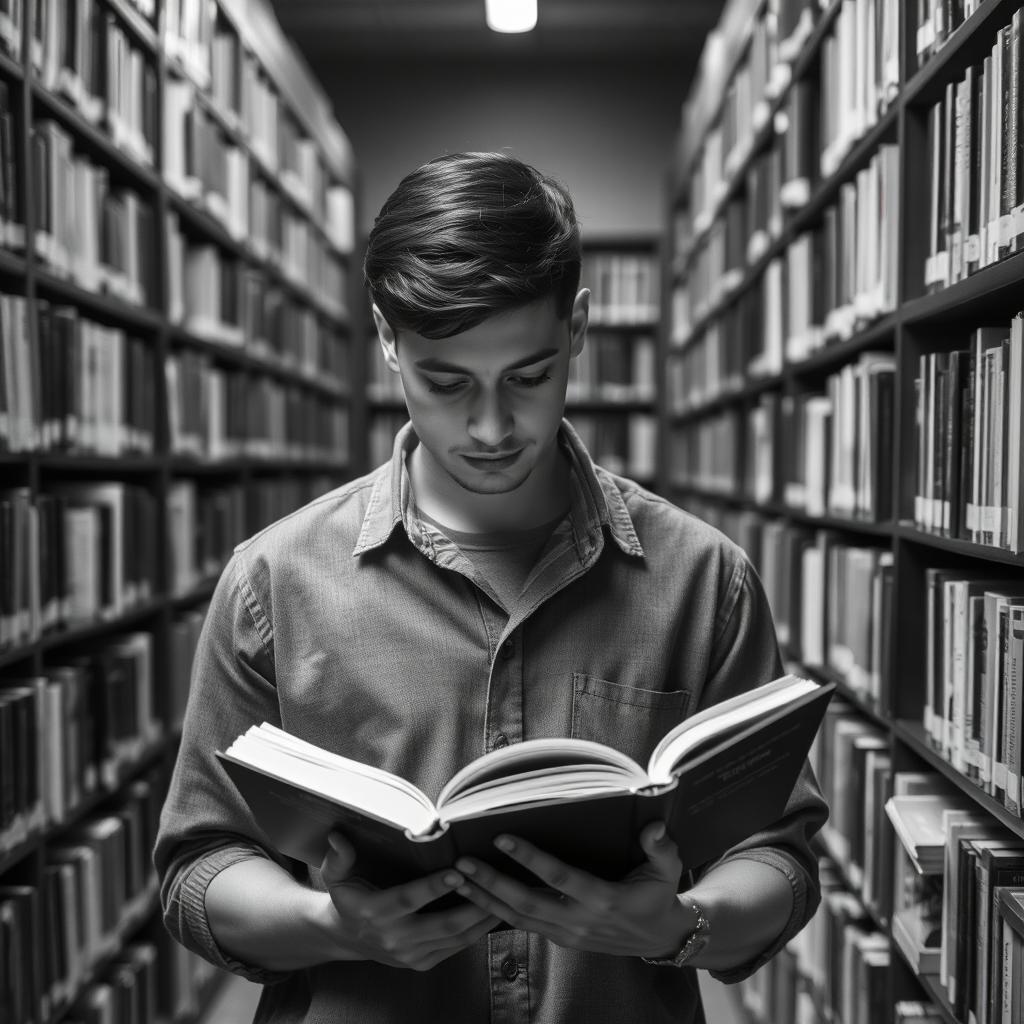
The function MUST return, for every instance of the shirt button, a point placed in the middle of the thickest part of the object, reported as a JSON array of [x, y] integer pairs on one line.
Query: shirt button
[[508, 649], [501, 740], [510, 968]]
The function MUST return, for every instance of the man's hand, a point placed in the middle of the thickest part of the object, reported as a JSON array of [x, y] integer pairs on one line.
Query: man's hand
[[382, 924], [638, 916]]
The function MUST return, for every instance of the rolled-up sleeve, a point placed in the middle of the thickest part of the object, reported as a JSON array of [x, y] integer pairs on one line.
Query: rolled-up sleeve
[[205, 825], [747, 655]]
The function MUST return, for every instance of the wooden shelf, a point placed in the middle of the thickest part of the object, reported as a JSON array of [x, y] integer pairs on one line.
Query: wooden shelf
[[143, 33], [95, 140], [912, 735], [96, 304], [972, 299], [910, 533], [11, 68], [969, 43]]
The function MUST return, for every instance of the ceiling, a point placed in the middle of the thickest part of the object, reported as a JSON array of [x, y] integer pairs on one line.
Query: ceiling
[[662, 30]]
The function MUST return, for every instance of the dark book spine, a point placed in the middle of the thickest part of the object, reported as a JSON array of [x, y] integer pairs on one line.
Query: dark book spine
[[1008, 155]]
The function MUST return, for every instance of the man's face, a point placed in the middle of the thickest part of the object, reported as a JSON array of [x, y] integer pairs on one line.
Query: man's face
[[486, 404]]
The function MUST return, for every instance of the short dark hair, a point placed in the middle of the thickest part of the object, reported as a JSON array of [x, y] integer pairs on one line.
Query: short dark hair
[[467, 236]]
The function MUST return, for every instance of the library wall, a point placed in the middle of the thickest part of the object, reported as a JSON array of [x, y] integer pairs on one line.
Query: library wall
[[605, 130]]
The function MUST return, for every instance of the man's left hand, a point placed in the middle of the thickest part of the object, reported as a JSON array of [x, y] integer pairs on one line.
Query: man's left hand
[[637, 916]]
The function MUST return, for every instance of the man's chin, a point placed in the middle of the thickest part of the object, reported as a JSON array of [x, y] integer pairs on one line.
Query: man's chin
[[489, 483]]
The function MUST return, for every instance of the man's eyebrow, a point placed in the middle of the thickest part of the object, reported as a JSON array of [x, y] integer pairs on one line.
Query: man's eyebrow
[[440, 366]]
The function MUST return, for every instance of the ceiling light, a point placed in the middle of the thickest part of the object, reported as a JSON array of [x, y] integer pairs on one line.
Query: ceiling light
[[511, 15]]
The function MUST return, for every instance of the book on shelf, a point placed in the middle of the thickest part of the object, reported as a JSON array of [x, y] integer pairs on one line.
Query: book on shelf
[[1008, 979], [88, 227], [714, 779], [624, 287], [969, 419], [973, 678], [976, 188], [12, 217]]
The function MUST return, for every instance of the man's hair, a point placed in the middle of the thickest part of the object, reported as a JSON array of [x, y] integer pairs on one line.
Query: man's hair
[[467, 236]]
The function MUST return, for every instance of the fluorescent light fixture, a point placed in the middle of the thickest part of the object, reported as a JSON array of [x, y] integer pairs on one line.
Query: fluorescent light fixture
[[511, 15]]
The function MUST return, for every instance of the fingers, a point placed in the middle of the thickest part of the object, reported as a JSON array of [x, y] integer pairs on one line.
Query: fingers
[[339, 860], [575, 883], [509, 900], [663, 860], [387, 905], [446, 925]]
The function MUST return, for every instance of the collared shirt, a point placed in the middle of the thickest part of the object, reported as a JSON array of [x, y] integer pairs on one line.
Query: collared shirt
[[359, 627]]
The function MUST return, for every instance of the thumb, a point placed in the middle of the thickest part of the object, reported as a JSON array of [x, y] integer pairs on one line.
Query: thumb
[[338, 861], [662, 854]]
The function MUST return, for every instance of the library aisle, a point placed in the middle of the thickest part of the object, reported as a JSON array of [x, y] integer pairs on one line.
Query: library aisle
[[802, 228]]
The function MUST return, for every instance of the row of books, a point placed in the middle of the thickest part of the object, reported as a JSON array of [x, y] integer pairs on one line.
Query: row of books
[[836, 969], [859, 75], [976, 185], [75, 554], [89, 228], [831, 279], [831, 601], [73, 731], [958, 912], [231, 81], [12, 215], [216, 295], [217, 413], [968, 426], [201, 162], [86, 552], [204, 165], [824, 454], [205, 520], [852, 761], [821, 117], [82, 53], [97, 886], [83, 387], [285, 332], [974, 677], [936, 22], [624, 287]]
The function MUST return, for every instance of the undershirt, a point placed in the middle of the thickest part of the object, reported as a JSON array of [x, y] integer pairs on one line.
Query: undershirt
[[504, 557]]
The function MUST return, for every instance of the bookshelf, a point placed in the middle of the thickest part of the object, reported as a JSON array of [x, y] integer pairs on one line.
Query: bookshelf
[[612, 396], [842, 397], [176, 253]]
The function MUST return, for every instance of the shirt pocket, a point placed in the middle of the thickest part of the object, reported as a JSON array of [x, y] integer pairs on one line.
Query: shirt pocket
[[628, 718]]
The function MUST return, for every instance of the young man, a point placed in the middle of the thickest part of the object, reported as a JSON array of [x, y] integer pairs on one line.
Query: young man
[[489, 584]]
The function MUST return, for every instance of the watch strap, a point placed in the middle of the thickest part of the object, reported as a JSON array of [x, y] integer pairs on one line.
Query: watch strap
[[695, 941]]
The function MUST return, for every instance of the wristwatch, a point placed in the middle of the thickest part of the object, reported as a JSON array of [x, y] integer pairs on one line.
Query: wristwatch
[[694, 943]]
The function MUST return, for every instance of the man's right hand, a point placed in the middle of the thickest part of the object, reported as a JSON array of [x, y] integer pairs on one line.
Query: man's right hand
[[382, 924]]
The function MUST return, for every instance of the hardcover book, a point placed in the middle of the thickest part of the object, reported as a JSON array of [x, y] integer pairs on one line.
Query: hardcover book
[[716, 778]]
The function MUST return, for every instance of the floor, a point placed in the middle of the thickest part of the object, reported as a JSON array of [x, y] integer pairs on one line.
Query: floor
[[235, 1003]]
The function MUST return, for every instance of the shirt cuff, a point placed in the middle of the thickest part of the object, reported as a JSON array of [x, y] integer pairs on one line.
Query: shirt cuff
[[797, 918], [194, 925]]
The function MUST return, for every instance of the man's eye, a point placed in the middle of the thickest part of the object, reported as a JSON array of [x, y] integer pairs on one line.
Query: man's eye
[[531, 382], [444, 389]]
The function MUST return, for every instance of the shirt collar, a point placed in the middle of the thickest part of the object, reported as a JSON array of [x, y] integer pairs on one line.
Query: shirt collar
[[596, 500]]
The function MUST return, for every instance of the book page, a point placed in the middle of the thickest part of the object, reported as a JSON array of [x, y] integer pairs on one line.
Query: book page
[[716, 722], [534, 758], [350, 783]]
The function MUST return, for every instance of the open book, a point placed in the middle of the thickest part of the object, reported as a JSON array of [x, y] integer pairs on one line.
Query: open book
[[715, 778]]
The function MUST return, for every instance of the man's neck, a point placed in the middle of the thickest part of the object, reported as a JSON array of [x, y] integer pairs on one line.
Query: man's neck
[[542, 497]]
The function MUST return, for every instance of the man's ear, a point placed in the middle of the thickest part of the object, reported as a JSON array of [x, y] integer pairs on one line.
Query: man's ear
[[387, 338], [578, 320]]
